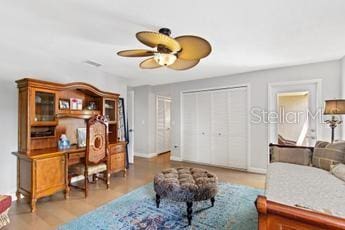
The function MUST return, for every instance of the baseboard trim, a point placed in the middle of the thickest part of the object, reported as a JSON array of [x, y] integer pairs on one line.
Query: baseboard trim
[[13, 195], [148, 155], [175, 158], [257, 170]]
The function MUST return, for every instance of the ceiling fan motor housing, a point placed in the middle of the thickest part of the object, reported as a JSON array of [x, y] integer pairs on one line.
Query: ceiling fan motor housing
[[165, 31]]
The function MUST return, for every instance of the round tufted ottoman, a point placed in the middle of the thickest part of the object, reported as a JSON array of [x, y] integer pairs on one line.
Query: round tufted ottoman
[[185, 185]]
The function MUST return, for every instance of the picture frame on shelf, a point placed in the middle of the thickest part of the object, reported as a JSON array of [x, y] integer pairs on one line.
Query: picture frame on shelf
[[64, 104], [76, 104]]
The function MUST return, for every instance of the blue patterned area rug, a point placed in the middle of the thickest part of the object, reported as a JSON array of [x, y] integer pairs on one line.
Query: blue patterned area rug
[[234, 209]]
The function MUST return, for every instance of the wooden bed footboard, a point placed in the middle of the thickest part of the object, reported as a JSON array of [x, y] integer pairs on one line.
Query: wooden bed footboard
[[273, 215]]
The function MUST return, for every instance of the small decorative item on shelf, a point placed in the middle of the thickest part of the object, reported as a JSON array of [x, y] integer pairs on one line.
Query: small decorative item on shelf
[[92, 105], [76, 104], [63, 104], [81, 137], [64, 142], [108, 106]]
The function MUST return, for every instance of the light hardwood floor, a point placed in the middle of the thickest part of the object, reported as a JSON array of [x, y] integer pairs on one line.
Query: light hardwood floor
[[55, 210]]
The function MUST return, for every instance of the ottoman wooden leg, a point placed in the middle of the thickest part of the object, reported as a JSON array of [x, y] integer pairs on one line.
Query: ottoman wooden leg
[[158, 200], [189, 212], [212, 201]]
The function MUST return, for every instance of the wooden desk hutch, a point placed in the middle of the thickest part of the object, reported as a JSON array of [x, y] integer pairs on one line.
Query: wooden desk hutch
[[41, 166]]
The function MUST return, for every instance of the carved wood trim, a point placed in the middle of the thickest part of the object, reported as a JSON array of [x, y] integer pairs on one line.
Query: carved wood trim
[[30, 82], [293, 217]]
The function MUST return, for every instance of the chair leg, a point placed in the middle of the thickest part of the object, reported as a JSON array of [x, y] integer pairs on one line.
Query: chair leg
[[86, 184], [108, 179]]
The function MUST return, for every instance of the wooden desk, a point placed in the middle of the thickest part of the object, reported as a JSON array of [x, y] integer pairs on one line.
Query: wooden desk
[[44, 172]]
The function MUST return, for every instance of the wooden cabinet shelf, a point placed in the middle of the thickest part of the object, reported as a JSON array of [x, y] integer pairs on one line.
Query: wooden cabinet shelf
[[82, 114]]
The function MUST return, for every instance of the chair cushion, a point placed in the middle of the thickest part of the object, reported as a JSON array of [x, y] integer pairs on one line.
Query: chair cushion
[[79, 169], [329, 154], [5, 203]]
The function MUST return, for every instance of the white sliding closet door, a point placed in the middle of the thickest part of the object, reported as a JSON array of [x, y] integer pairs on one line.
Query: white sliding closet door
[[203, 113], [163, 120], [219, 124], [189, 128], [214, 127], [238, 126]]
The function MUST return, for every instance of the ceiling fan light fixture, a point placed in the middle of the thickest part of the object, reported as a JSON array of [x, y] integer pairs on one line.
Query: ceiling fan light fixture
[[164, 59]]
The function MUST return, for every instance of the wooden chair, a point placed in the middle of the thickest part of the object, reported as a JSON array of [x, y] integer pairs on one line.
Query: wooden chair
[[97, 156]]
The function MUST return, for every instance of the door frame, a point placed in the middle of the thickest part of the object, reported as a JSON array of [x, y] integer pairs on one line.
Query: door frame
[[131, 101], [156, 128], [272, 128], [244, 85]]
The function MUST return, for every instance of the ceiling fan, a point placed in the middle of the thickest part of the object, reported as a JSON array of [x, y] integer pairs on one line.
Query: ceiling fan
[[180, 53]]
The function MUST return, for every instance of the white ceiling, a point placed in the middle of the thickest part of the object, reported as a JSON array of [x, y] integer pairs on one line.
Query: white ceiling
[[245, 35]]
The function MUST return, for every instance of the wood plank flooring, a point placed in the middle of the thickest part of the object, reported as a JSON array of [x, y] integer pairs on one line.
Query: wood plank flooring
[[55, 210]]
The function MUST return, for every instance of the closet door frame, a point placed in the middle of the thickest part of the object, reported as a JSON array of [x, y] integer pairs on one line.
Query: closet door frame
[[248, 88]]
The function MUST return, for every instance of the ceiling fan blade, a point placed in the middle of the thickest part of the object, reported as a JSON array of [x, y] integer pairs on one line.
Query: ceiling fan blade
[[135, 53], [193, 47], [181, 64], [153, 39], [149, 64]]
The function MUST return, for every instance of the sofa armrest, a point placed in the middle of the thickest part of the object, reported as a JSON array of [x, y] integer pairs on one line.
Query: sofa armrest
[[301, 155]]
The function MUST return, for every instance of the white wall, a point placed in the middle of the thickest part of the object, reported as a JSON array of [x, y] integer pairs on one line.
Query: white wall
[[144, 121], [328, 72], [18, 63], [342, 70]]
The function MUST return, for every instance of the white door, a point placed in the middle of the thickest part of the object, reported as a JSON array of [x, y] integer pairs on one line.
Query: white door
[[214, 127], [189, 129], [238, 128], [219, 127], [130, 112], [163, 120], [203, 113], [167, 124]]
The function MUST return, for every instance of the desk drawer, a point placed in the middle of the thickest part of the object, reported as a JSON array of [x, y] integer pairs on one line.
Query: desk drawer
[[74, 158], [117, 148], [117, 161]]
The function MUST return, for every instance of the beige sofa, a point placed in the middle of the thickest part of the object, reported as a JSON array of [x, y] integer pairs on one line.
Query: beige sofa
[[299, 195]]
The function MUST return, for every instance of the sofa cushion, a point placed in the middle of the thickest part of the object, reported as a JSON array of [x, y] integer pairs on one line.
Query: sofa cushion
[[326, 155], [338, 171], [301, 156], [307, 187]]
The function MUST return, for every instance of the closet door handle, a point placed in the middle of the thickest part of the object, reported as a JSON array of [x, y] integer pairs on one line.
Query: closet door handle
[[203, 133], [219, 134]]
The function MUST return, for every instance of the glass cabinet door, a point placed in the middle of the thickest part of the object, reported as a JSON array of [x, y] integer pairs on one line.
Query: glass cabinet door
[[110, 110], [44, 107]]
